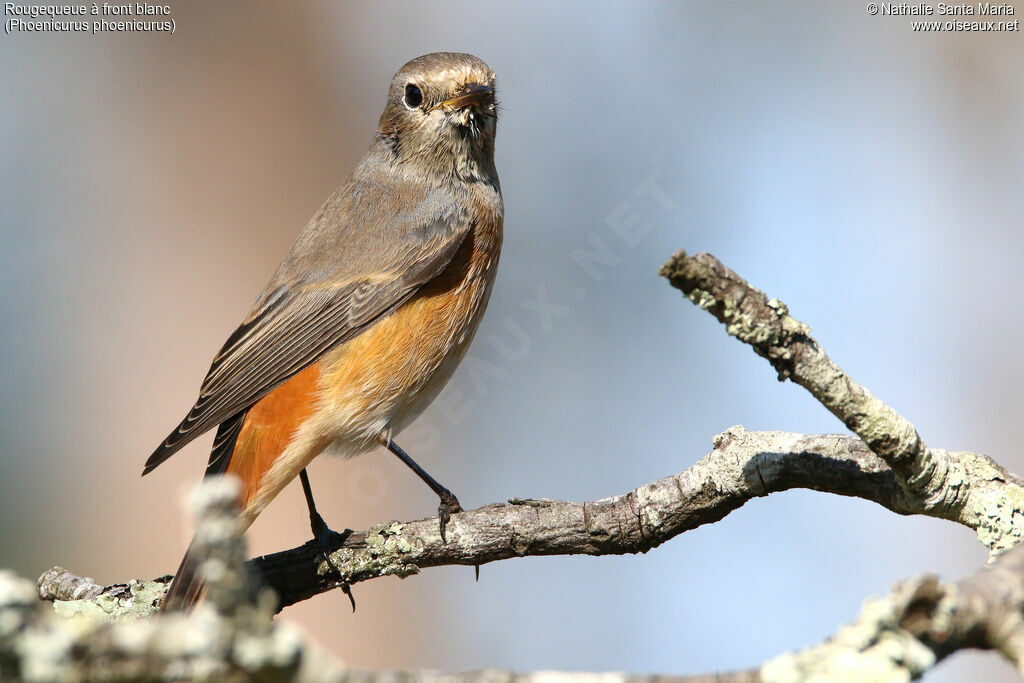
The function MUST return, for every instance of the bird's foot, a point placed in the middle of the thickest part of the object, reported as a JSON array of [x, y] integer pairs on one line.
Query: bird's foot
[[327, 540], [449, 506]]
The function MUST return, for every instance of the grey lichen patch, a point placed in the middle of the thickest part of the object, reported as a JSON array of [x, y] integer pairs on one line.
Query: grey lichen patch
[[1000, 518], [730, 310], [780, 308], [531, 502], [981, 467], [69, 609], [995, 506], [675, 267], [388, 544], [134, 600], [791, 326], [704, 299]]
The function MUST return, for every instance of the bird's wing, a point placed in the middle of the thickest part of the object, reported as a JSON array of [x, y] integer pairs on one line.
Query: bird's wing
[[316, 302]]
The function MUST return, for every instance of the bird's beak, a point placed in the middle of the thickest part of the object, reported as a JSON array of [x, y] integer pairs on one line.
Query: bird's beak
[[473, 94]]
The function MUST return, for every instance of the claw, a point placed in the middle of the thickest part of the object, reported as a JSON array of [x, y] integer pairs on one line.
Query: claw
[[346, 588], [325, 538], [449, 504], [444, 513]]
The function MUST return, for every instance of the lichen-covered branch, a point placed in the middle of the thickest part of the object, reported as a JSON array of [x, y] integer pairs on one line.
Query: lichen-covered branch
[[741, 466], [967, 488]]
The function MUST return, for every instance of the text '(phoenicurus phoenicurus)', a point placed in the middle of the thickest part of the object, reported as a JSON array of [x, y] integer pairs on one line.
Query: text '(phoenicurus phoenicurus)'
[[372, 308]]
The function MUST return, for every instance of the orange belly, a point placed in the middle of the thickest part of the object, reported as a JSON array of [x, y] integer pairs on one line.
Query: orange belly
[[270, 426], [387, 375]]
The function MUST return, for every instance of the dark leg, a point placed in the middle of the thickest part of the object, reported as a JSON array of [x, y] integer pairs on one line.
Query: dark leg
[[321, 532], [449, 503], [323, 535]]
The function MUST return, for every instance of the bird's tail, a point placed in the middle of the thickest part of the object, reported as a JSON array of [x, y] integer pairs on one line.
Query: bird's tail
[[188, 586], [248, 446]]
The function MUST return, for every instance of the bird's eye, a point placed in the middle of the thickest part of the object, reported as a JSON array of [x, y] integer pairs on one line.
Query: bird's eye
[[413, 96]]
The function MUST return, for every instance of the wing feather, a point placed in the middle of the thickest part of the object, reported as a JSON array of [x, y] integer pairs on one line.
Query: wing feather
[[296, 322]]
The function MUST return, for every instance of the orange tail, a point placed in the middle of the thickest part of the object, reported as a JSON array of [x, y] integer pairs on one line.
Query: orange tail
[[248, 445]]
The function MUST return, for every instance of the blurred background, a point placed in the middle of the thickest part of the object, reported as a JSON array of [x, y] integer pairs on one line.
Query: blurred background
[[867, 175]]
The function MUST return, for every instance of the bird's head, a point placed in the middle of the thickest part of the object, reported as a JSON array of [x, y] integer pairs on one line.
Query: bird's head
[[441, 115]]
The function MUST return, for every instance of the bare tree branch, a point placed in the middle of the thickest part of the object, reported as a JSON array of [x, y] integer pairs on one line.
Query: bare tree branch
[[967, 488], [896, 637], [229, 637], [741, 466], [60, 584]]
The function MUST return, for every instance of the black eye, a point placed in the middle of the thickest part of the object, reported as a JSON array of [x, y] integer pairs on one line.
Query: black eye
[[413, 96]]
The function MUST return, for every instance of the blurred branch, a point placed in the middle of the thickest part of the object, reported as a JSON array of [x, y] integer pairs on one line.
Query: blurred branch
[[963, 487], [922, 621], [494, 676], [231, 637]]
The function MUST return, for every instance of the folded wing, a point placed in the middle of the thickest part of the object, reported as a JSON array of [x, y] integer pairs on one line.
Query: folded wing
[[380, 264]]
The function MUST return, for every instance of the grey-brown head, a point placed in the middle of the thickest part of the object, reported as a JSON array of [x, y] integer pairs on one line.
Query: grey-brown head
[[441, 115]]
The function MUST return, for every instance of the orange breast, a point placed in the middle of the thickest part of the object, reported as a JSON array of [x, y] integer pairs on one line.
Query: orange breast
[[269, 427], [390, 369]]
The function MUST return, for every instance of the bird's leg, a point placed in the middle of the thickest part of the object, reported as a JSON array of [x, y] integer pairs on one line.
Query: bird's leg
[[323, 535], [321, 532], [449, 503]]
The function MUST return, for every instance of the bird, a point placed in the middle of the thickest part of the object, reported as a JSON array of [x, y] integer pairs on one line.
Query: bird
[[371, 310]]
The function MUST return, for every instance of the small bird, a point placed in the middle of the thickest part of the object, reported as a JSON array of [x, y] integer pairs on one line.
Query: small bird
[[372, 308]]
